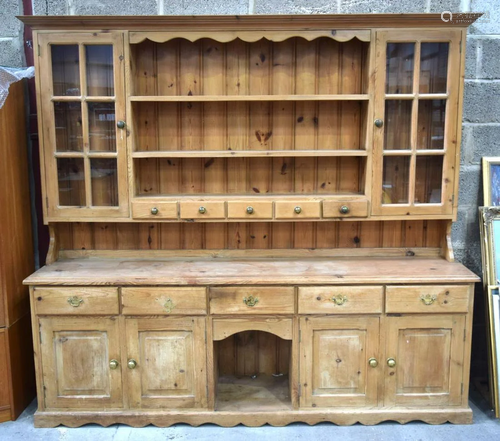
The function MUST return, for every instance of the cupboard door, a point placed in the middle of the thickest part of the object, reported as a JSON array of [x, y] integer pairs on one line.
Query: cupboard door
[[334, 361], [416, 129], [82, 103], [170, 363], [80, 363], [428, 354]]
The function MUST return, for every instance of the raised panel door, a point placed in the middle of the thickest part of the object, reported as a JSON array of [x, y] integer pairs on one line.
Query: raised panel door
[[77, 355], [170, 362], [334, 361], [427, 353]]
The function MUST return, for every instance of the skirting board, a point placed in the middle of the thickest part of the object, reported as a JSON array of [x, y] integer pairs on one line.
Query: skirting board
[[341, 417]]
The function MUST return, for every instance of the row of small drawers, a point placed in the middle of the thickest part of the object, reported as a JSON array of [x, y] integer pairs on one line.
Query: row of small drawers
[[253, 300], [250, 209]]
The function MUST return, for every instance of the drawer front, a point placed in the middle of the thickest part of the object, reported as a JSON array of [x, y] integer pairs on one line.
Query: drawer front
[[298, 210], [247, 300], [341, 300], [202, 210], [249, 210], [345, 209], [76, 301], [418, 298], [164, 301], [154, 210]]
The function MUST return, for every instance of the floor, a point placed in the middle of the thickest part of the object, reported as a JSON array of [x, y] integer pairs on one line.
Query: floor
[[485, 427]]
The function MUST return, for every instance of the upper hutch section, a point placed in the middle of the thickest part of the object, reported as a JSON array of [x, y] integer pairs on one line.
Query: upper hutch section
[[249, 118]]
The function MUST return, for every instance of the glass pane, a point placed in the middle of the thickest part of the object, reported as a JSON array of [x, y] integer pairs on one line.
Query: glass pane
[[397, 134], [433, 67], [71, 177], [430, 130], [399, 67], [428, 179], [66, 70], [104, 182], [102, 131], [396, 179], [99, 66], [68, 119]]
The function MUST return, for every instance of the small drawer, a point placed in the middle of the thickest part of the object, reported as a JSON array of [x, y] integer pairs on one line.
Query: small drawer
[[426, 299], [154, 210], [252, 300], [341, 299], [164, 301], [76, 301], [345, 209], [298, 210], [249, 210], [202, 210]]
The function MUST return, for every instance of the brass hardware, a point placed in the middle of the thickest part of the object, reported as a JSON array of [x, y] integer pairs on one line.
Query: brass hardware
[[428, 299], [154, 210], [297, 210], [339, 300], [379, 123], [168, 305], [373, 362], [75, 301], [344, 209], [113, 364], [391, 362], [250, 301], [131, 364], [120, 124], [250, 210], [202, 210]]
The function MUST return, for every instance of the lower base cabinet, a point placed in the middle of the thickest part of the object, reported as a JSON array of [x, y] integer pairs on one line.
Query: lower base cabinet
[[222, 358]]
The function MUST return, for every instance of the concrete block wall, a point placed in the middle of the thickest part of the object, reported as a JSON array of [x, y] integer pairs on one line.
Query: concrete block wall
[[481, 123]]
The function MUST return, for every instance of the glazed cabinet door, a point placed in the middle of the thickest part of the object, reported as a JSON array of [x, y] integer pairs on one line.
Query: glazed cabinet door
[[166, 361], [339, 361], [425, 360], [416, 122], [80, 362], [81, 84]]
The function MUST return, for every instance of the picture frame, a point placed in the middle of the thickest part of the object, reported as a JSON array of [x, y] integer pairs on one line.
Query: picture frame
[[491, 181]]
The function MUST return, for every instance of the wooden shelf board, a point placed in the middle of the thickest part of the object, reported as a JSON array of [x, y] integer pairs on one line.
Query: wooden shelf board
[[209, 98], [216, 271], [244, 153]]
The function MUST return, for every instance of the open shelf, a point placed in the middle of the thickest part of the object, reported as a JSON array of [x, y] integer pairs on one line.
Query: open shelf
[[208, 98], [246, 153]]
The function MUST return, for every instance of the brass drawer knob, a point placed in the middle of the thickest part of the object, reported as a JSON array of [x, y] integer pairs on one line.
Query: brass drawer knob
[[373, 362], [428, 299], [154, 211], [250, 301], [297, 210], [121, 124], [75, 301], [131, 364], [344, 209], [250, 210], [379, 123], [202, 210], [168, 305], [113, 364], [391, 362], [339, 300]]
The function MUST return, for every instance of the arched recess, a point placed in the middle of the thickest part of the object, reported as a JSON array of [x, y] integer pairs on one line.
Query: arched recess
[[224, 328]]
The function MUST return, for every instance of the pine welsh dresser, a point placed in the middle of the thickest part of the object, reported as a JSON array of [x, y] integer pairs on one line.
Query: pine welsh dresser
[[250, 220]]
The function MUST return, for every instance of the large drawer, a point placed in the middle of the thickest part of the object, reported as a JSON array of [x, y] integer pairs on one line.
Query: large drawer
[[76, 301], [427, 299], [164, 301], [252, 300], [341, 300]]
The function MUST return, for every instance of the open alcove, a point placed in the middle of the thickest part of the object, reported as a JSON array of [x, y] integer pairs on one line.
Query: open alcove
[[252, 372]]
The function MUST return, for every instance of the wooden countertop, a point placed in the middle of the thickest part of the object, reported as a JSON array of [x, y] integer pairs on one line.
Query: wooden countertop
[[306, 271]]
